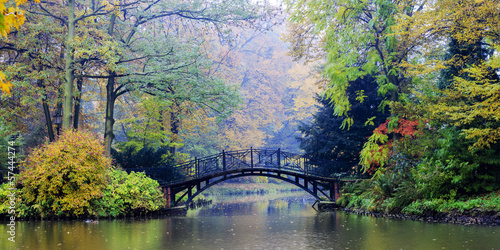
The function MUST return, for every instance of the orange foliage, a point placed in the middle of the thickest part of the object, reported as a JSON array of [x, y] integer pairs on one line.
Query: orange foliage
[[405, 128], [379, 147]]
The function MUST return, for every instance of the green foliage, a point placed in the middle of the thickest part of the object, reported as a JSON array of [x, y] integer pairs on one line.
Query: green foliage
[[488, 202], [4, 199], [358, 39], [146, 157], [62, 178], [130, 156], [441, 145], [437, 179], [21, 208], [327, 143], [6, 136], [149, 128], [127, 194]]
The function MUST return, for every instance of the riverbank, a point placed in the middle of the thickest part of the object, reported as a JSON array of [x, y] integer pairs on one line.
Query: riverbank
[[473, 217], [473, 210]]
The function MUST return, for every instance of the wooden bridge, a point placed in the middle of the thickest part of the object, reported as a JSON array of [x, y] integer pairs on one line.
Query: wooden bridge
[[191, 178]]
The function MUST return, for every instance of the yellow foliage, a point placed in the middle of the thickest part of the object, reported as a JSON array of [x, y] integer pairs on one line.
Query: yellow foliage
[[9, 18], [4, 84], [472, 102], [64, 177], [473, 105]]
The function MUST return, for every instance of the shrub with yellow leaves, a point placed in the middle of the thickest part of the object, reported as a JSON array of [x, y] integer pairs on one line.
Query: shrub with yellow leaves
[[63, 178]]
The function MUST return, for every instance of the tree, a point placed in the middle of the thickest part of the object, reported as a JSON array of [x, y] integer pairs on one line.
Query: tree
[[359, 39], [33, 62], [277, 92], [213, 15], [335, 149], [469, 70], [109, 42]]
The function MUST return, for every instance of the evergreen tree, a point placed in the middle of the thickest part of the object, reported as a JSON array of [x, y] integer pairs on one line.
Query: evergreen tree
[[461, 55], [336, 150]]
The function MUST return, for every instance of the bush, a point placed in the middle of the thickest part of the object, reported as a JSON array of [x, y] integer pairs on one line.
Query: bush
[[129, 194], [62, 178], [438, 179], [21, 209]]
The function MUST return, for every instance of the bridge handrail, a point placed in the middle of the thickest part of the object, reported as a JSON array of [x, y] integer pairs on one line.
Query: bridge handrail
[[235, 159]]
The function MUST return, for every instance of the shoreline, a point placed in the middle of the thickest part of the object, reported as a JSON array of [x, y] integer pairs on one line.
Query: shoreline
[[466, 218]]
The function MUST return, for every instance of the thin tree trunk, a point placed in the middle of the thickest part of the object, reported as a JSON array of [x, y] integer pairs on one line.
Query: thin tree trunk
[[110, 106], [68, 86], [109, 122], [78, 98], [174, 128], [46, 111]]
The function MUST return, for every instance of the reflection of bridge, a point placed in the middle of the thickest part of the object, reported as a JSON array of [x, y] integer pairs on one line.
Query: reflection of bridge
[[193, 177]]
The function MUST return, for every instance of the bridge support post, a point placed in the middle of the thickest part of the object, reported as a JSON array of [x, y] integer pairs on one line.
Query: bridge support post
[[166, 195], [172, 197], [337, 191], [197, 164], [251, 157], [223, 160], [332, 192], [279, 158]]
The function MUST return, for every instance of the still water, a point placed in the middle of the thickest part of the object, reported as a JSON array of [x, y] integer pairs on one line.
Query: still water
[[253, 222]]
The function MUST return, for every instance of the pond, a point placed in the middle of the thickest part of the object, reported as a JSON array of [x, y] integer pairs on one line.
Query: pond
[[251, 222]]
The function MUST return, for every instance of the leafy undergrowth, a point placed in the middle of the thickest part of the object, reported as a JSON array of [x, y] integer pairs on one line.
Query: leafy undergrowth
[[483, 203], [370, 202]]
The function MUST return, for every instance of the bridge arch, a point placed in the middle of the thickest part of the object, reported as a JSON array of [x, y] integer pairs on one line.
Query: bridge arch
[[318, 187], [190, 199], [193, 177]]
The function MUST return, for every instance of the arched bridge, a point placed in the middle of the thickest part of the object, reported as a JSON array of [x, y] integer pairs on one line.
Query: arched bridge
[[191, 178]]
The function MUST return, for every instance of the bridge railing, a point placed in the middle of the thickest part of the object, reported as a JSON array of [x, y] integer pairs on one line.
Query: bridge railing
[[238, 159]]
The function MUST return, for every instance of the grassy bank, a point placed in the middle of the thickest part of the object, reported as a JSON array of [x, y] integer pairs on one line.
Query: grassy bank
[[371, 198]]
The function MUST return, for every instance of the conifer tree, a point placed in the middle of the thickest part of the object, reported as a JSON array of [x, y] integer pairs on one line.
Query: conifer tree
[[336, 149]]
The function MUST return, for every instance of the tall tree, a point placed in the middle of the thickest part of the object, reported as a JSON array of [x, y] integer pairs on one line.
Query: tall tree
[[213, 15], [334, 149], [34, 63], [470, 100], [358, 39]]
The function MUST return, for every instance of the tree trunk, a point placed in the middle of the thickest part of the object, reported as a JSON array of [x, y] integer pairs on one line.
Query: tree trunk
[[68, 86], [109, 119], [78, 98], [46, 111], [109, 122], [174, 128]]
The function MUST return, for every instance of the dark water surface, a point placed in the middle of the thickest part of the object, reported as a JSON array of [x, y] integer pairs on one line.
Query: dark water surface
[[252, 223]]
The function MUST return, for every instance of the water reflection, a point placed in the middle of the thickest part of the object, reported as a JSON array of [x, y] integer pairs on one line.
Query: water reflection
[[261, 223]]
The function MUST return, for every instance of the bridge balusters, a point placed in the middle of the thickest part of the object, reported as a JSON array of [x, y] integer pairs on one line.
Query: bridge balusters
[[197, 165]]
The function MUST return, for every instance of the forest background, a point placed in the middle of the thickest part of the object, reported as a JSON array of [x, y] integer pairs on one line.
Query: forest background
[[409, 89]]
